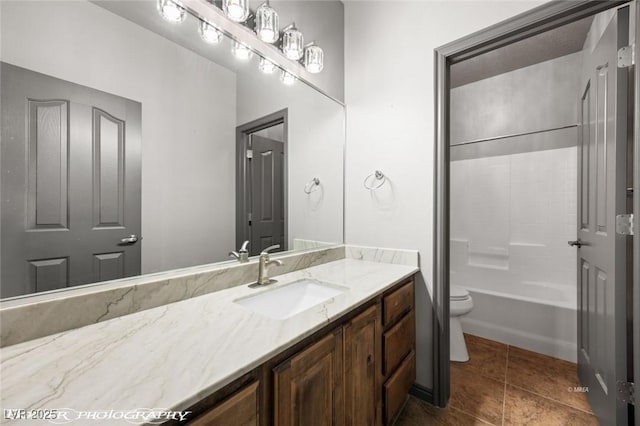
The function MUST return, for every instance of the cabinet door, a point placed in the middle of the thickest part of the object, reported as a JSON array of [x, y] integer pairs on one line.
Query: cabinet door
[[240, 409], [361, 369], [308, 387]]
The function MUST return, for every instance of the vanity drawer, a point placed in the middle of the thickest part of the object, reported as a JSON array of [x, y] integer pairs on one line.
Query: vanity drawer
[[398, 342], [241, 408], [396, 389], [395, 305]]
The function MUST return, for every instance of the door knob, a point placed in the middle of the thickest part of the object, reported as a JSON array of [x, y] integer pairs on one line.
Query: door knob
[[576, 243], [131, 239]]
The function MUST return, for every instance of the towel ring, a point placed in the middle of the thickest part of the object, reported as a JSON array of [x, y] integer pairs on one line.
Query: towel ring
[[308, 188], [379, 176]]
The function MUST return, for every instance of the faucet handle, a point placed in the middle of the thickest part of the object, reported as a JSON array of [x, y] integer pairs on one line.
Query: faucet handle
[[243, 249], [268, 249]]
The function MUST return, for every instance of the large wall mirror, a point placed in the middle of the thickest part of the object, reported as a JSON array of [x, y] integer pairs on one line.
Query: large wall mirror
[[131, 146]]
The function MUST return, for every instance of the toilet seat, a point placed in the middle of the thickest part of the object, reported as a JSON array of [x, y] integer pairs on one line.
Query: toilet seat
[[458, 293]]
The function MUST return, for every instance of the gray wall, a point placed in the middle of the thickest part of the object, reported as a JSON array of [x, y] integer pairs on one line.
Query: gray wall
[[315, 149], [529, 99], [321, 21], [188, 118]]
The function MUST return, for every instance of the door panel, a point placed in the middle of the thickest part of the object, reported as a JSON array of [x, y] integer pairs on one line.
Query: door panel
[[267, 194], [603, 81], [70, 183], [584, 145], [602, 280], [48, 274], [108, 169], [48, 140], [108, 266]]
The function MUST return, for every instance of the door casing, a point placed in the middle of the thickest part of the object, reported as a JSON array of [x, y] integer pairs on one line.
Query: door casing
[[543, 18]]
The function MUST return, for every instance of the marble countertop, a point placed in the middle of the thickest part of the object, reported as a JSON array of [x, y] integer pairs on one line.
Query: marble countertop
[[174, 355]]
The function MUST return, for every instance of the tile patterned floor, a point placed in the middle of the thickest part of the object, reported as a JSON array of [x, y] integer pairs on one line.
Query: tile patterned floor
[[506, 385]]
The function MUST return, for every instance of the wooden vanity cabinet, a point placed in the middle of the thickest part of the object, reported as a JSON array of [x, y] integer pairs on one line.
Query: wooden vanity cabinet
[[356, 371], [239, 409], [398, 341], [308, 387], [362, 379]]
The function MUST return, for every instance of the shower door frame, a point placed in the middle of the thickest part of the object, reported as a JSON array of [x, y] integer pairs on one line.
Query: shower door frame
[[535, 21]]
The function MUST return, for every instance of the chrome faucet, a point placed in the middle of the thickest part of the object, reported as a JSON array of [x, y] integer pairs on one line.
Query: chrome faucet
[[241, 255], [264, 262]]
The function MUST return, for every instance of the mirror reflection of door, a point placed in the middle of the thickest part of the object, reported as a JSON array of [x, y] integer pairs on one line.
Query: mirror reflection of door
[[266, 172], [261, 187], [70, 184]]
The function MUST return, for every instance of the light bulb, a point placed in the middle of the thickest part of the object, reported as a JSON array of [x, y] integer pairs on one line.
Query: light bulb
[[292, 43], [236, 10], [267, 24], [170, 11], [241, 51], [209, 33], [313, 59], [287, 78], [266, 66]]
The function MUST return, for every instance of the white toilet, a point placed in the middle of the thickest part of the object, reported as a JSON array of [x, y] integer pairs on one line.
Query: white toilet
[[460, 303]]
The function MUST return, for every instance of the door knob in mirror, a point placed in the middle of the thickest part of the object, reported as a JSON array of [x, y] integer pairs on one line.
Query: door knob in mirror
[[576, 243], [131, 239]]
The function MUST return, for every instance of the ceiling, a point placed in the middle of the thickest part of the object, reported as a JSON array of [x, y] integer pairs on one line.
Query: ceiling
[[552, 44]]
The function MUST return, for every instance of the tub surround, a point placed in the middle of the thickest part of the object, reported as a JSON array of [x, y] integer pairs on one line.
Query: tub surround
[[180, 352]]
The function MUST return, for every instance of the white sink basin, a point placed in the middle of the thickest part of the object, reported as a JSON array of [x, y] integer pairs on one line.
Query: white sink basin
[[290, 299]]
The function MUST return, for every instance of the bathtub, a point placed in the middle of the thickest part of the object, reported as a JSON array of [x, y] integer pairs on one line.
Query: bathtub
[[540, 317], [536, 315]]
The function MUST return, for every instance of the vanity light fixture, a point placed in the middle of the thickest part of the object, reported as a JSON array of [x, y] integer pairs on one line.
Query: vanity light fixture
[[209, 33], [292, 42], [267, 23], [287, 78], [170, 11], [236, 10], [266, 66], [313, 58], [241, 51]]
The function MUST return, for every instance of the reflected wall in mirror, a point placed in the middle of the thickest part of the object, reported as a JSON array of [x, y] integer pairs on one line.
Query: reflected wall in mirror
[[131, 146]]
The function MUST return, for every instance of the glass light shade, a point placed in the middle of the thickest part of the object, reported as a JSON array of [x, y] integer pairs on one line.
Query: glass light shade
[[287, 78], [292, 43], [267, 24], [313, 59], [266, 66], [170, 11], [209, 33], [236, 10], [241, 51]]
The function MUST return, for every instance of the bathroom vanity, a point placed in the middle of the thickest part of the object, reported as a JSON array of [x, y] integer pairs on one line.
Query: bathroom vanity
[[228, 360], [356, 370]]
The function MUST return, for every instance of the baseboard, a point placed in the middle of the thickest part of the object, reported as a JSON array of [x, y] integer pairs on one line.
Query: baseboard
[[422, 393]]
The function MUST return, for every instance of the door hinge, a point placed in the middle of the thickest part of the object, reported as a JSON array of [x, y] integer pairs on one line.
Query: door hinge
[[627, 392], [625, 224], [626, 56], [249, 154]]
